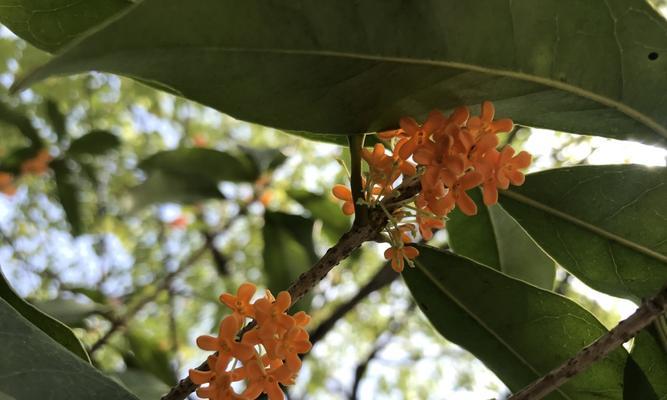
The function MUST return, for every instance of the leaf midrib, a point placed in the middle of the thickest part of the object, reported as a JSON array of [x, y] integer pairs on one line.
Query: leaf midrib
[[606, 101], [484, 326], [583, 224]]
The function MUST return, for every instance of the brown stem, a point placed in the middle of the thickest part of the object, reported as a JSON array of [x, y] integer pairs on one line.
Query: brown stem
[[349, 242], [624, 331]]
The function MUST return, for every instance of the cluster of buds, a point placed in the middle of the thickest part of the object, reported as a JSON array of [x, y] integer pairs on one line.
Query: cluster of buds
[[265, 356], [450, 155], [36, 165]]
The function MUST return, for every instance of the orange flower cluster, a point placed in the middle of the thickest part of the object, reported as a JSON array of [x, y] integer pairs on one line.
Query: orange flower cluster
[[452, 155], [36, 165], [265, 357]]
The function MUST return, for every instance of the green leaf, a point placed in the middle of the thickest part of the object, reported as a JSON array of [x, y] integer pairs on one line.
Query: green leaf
[[51, 25], [68, 311], [334, 222], [13, 117], [53, 328], [67, 189], [288, 250], [495, 239], [264, 160], [33, 366], [143, 384], [165, 187], [650, 360], [206, 164], [150, 355], [519, 331], [605, 224], [96, 142], [340, 140], [352, 67], [56, 118]]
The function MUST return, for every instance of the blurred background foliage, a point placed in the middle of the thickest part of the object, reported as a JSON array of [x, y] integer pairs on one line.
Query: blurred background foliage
[[153, 205]]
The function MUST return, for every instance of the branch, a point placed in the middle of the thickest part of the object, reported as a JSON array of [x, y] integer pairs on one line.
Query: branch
[[349, 242], [380, 344], [624, 331], [382, 278], [356, 143], [119, 323]]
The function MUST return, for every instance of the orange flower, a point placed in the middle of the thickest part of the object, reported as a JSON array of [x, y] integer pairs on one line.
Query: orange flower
[[427, 224], [344, 193], [272, 314], [240, 304], [485, 123], [225, 344], [37, 165], [508, 167], [398, 256], [382, 171], [7, 184], [457, 190], [418, 135], [487, 167], [262, 381], [179, 222]]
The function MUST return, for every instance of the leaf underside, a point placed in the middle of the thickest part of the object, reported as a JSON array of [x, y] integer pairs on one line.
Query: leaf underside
[[345, 67]]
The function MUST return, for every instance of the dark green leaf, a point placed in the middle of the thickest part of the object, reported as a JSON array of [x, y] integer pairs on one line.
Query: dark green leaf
[[56, 118], [495, 239], [22, 123], [519, 331], [264, 160], [650, 363], [53, 328], [51, 25], [164, 187], [150, 355], [14, 160], [95, 295], [69, 311], [33, 366], [143, 384], [204, 164], [331, 138], [351, 67], [635, 383], [68, 191], [322, 207], [96, 143], [606, 224], [288, 250]]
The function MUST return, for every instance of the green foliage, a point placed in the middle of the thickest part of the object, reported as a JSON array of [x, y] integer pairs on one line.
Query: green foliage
[[95, 143], [142, 384], [322, 207], [41, 368], [50, 26], [566, 66], [519, 331], [68, 191], [320, 71], [495, 239], [599, 222], [51, 327], [288, 250], [150, 355], [649, 362], [70, 312]]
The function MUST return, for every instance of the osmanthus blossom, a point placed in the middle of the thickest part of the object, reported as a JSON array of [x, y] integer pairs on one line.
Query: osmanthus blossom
[[453, 154], [264, 356]]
